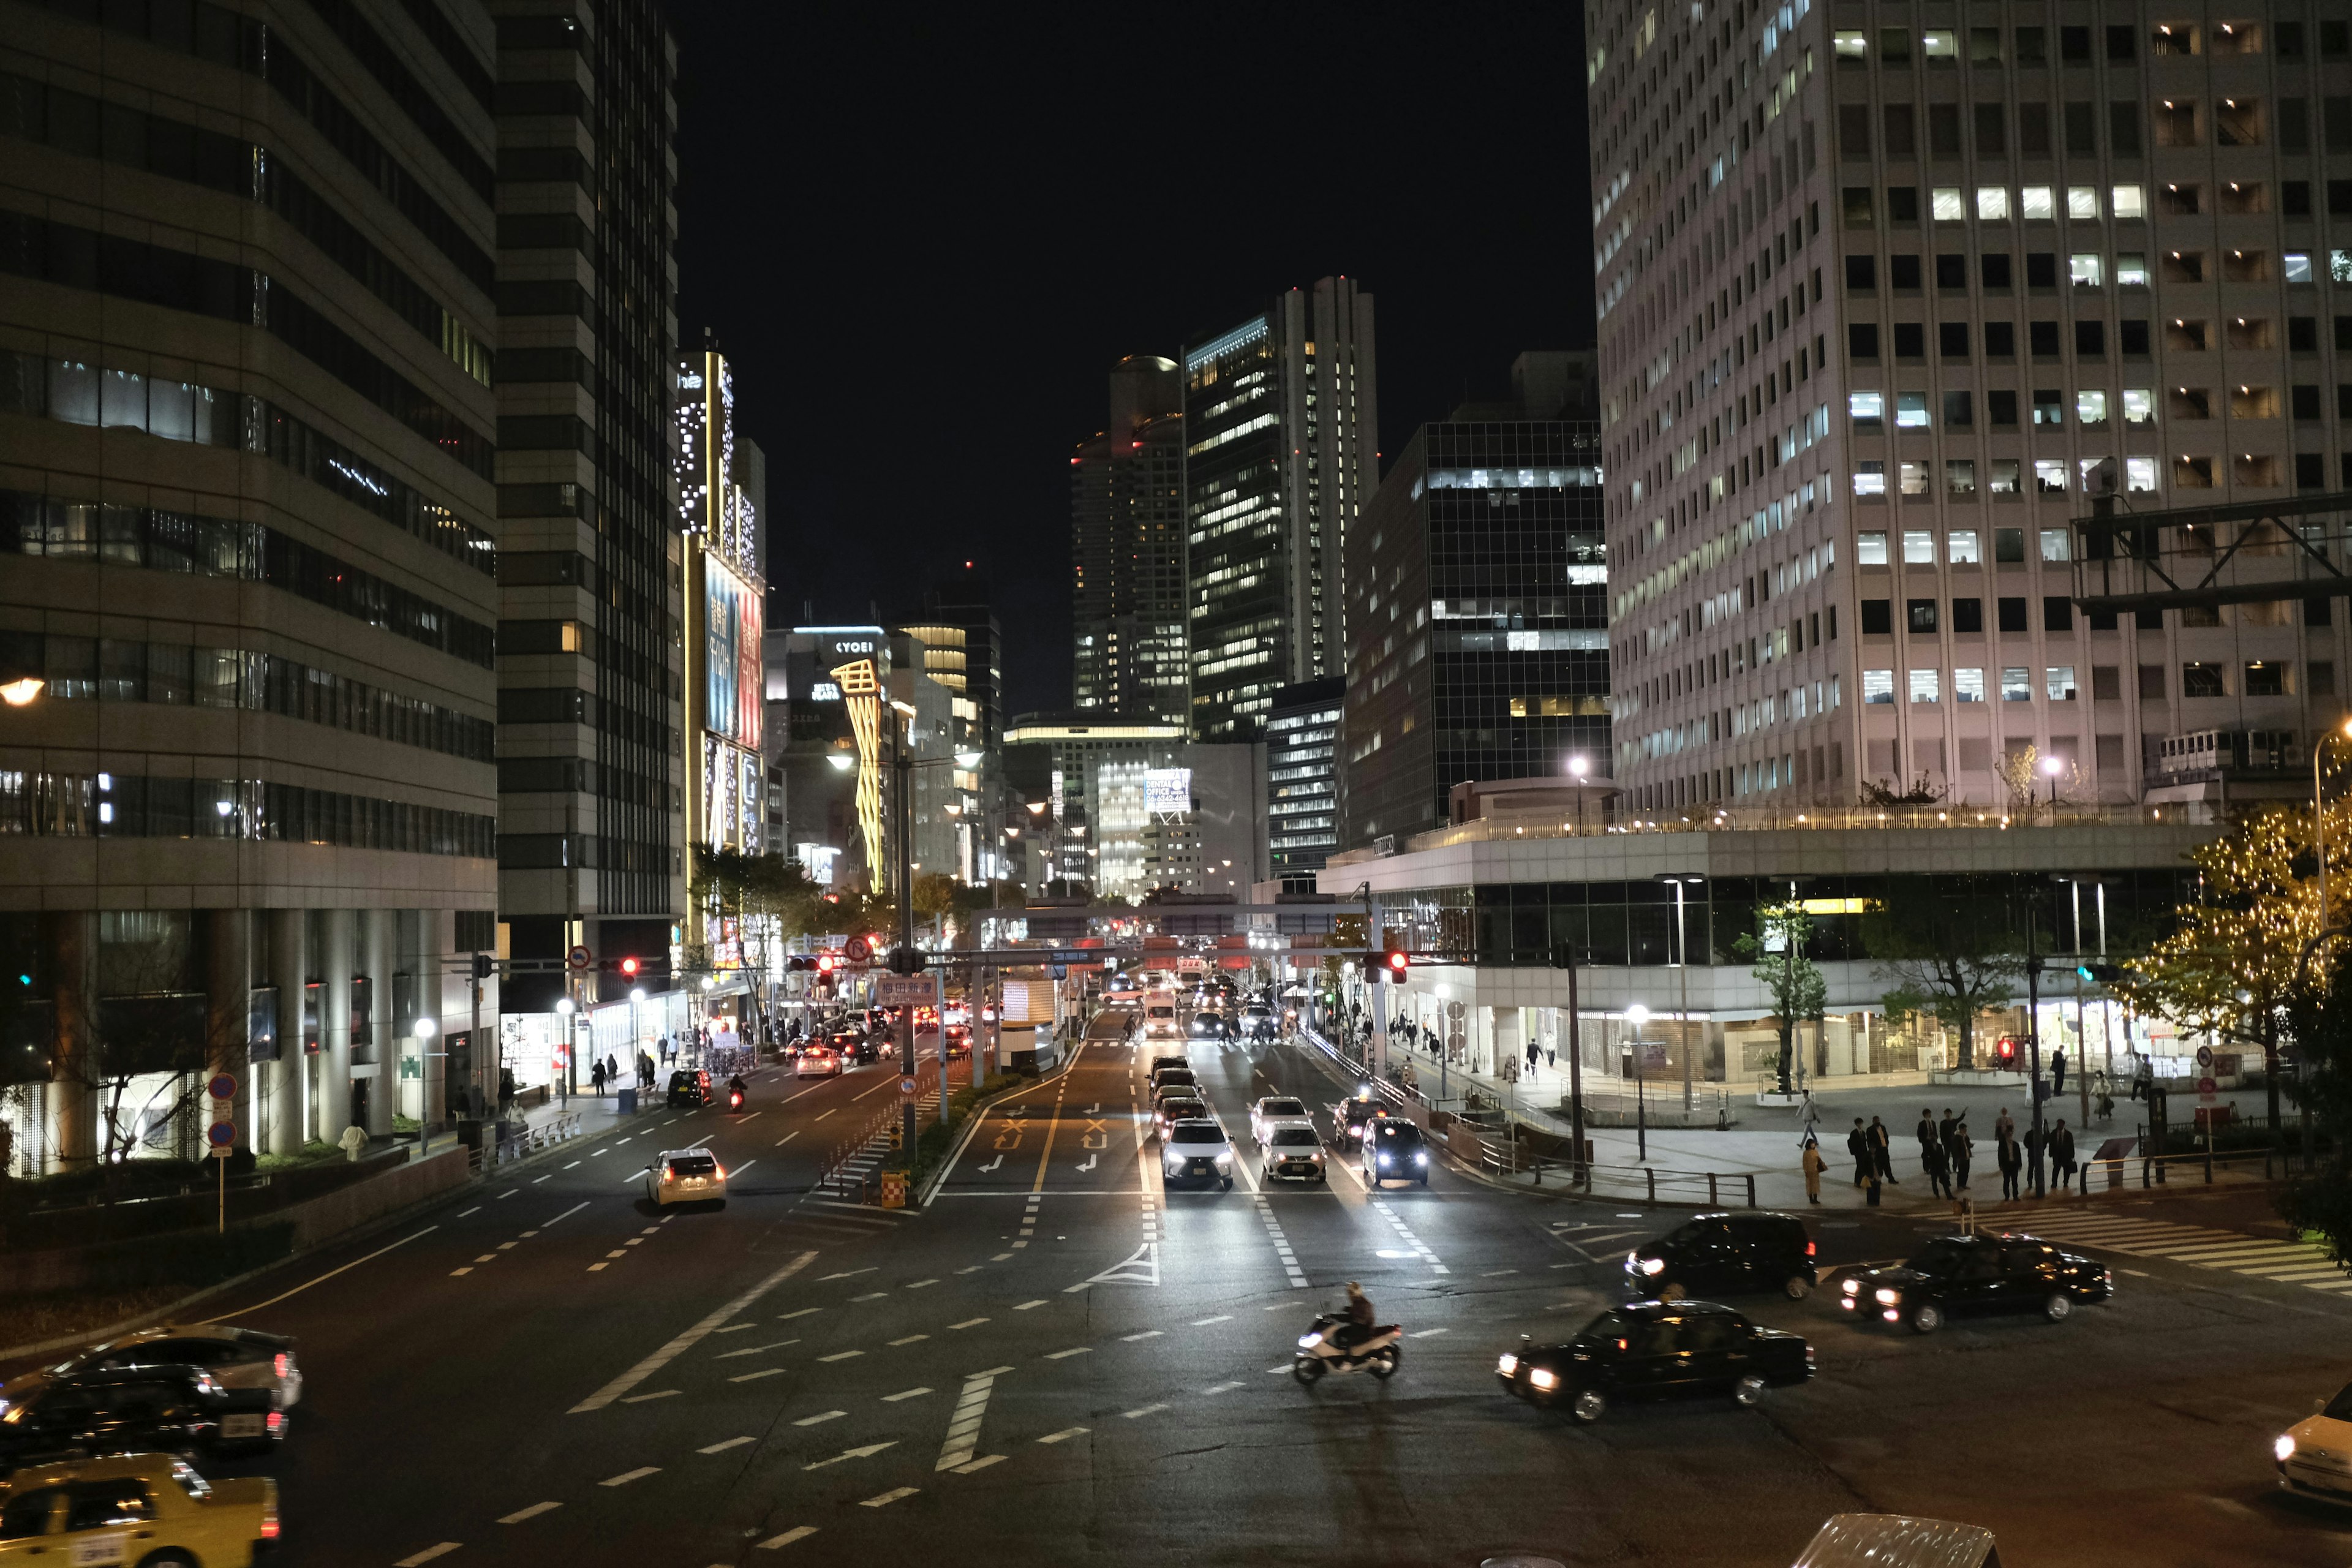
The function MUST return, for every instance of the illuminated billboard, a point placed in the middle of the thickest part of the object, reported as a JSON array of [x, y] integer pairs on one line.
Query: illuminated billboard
[[1167, 791], [734, 684]]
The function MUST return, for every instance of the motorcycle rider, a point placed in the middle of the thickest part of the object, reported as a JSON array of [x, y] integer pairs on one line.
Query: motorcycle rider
[[736, 1089], [1360, 1323]]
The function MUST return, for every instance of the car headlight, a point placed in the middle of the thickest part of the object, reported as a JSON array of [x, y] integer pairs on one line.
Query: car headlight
[[1226, 1159], [1543, 1379], [1308, 1342], [1385, 1159], [1885, 1297], [1854, 1287], [1421, 1158], [1653, 1265], [1507, 1365], [2284, 1448]]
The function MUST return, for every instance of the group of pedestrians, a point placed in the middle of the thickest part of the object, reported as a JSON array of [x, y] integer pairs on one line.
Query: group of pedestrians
[[1947, 1150]]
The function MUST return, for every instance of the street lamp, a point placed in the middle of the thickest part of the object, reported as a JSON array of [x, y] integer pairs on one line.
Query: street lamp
[[2051, 767], [841, 759], [1577, 766], [1682, 954], [564, 1009], [18, 692], [1638, 1016]]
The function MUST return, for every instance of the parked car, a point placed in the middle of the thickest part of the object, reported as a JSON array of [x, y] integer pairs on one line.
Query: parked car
[[1726, 1255], [236, 1357], [1979, 1273], [148, 1508], [686, 1176], [1656, 1349], [46, 1417], [2314, 1455]]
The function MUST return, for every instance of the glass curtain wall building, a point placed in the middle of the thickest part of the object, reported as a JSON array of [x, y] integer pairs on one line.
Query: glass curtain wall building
[[1302, 780], [1127, 550], [592, 700], [1281, 454], [1479, 607]]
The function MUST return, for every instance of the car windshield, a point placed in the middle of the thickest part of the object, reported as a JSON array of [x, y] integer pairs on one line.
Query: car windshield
[[693, 1165], [1177, 1077], [1298, 1135], [1939, 1257], [1175, 1109], [1391, 1130], [1161, 1012], [1282, 1108], [2340, 1408], [1609, 1325], [1196, 1132]]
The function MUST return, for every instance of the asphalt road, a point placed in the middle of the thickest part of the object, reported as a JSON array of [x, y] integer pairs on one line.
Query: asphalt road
[[1058, 1360]]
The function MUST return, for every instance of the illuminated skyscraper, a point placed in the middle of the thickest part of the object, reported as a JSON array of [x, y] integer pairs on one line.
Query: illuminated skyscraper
[[1281, 454], [1127, 550]]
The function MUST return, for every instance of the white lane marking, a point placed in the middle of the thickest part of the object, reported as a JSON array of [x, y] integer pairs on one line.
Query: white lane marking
[[788, 1136], [753, 1350], [845, 1274], [797, 1532], [825, 1114], [1063, 1435], [427, 1555], [821, 1417], [1146, 1334], [1026, 1306], [841, 1355], [592, 1154], [573, 1163], [567, 1214], [322, 1279], [887, 1499], [1424, 1334], [968, 1323], [964, 1426], [1203, 1322], [1146, 1410], [475, 1209], [507, 1193], [688, 1340], [741, 1168], [867, 1452], [625, 1476], [756, 1376], [803, 1312], [918, 1284], [533, 1511], [455, 1273], [1404, 1230], [904, 1394], [979, 1464], [1074, 1349], [1220, 1388], [753, 1117], [536, 1180], [723, 1448], [1282, 1251], [870, 1296], [658, 1394], [909, 1340]]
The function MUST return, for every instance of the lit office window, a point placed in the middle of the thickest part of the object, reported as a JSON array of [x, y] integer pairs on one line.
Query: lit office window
[[2016, 685], [1992, 203], [2059, 682], [1968, 686], [1918, 547], [1870, 548], [1878, 686], [2082, 201], [1925, 686], [2057, 544]]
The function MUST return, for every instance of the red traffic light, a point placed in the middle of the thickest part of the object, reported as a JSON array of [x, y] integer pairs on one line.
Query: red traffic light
[[1398, 961], [825, 963], [2006, 1048], [629, 967]]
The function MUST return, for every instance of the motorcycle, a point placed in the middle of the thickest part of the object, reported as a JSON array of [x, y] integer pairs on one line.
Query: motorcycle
[[1319, 1352], [734, 1099]]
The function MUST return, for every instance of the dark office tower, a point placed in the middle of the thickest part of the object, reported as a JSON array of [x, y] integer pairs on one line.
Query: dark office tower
[[247, 574], [1478, 605], [1302, 779], [590, 693], [1281, 455], [1127, 550], [976, 672]]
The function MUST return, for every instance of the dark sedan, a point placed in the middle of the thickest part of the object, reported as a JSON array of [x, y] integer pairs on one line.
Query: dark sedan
[[48, 1416], [1651, 1349], [689, 1088], [1978, 1274]]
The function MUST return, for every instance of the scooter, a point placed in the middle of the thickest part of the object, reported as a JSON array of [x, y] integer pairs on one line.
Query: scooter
[[1379, 1351], [734, 1099]]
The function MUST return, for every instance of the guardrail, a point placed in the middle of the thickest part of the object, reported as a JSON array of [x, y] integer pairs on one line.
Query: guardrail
[[1653, 1184], [533, 1138], [862, 1186]]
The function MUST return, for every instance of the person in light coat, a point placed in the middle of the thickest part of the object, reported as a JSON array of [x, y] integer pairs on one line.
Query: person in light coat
[[1814, 1165]]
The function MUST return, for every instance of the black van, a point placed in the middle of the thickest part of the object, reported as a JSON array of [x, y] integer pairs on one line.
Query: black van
[[1724, 1254]]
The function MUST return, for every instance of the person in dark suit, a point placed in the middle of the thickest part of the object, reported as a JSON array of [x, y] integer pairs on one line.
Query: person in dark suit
[[2011, 1160], [1857, 1144]]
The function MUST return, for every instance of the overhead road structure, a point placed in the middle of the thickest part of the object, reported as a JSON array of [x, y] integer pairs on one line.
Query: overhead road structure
[[2207, 556]]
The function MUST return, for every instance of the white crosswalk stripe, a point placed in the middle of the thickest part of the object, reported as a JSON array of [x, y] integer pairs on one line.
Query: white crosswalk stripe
[[2200, 1246]]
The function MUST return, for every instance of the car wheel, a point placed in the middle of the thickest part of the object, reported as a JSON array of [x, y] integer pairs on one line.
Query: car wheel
[[1425, 1178], [1229, 1184], [1384, 1365], [1588, 1405], [2059, 1308], [1748, 1390], [167, 1559], [1926, 1318], [1309, 1370], [1795, 1287]]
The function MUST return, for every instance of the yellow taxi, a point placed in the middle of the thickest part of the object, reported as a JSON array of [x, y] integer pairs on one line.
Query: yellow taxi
[[134, 1509]]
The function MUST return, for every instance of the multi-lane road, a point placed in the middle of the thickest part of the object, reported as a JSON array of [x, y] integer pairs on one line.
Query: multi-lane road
[[1059, 1360]]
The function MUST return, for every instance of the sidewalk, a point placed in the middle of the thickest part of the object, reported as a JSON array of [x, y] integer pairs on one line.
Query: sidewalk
[[1765, 1141]]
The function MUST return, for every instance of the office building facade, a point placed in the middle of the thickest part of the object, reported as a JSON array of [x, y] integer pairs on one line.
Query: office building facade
[[1884, 311], [1281, 454], [1478, 609], [593, 781], [1131, 808], [1127, 550], [1302, 779], [248, 609]]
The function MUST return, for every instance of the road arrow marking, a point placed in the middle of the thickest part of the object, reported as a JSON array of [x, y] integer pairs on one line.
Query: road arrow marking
[[1092, 1159], [867, 1452], [983, 1170]]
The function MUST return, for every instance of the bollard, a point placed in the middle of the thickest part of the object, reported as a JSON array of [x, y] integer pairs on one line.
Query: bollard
[[1652, 1177], [1712, 1201], [1751, 1190]]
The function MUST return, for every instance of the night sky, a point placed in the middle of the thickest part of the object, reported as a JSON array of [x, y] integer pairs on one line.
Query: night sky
[[923, 238]]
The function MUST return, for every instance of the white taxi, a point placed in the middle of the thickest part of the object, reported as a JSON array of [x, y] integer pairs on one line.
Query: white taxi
[[686, 1176], [2314, 1455]]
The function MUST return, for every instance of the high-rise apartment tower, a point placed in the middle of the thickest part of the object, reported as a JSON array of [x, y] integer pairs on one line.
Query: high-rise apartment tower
[[1127, 550]]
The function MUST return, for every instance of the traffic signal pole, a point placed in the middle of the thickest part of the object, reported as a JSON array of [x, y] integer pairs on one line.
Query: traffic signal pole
[[902, 768]]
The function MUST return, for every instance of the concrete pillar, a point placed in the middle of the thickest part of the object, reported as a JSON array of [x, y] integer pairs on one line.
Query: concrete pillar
[[227, 944], [282, 1080], [376, 962], [1508, 1046], [334, 966], [72, 936]]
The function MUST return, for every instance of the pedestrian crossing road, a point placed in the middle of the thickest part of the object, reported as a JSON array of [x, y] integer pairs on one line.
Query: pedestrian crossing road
[[2287, 1262]]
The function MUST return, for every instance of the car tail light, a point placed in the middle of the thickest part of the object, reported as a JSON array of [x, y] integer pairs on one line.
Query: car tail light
[[269, 1527], [1809, 1249], [283, 1364], [276, 1421]]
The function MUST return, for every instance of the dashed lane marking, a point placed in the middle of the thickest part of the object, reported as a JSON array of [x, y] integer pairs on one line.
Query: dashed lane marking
[[625, 1476], [979, 1464], [841, 1355], [1063, 1435], [887, 1499], [658, 1394], [688, 1340], [797, 1532], [1027, 1305], [1146, 1410], [427, 1555], [904, 1394], [821, 1417], [1074, 1349], [909, 1340], [723, 1448], [533, 1511], [969, 1323], [753, 1350], [1222, 1388], [475, 1209]]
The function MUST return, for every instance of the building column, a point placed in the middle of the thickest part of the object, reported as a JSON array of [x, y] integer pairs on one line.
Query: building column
[[375, 960], [1508, 1044], [73, 1103], [335, 1024], [290, 932], [227, 943]]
